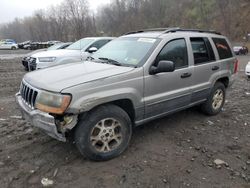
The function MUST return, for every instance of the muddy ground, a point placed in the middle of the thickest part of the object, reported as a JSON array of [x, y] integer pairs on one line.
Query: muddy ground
[[176, 151]]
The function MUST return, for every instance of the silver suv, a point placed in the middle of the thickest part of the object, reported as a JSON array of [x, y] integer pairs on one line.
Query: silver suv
[[134, 79]]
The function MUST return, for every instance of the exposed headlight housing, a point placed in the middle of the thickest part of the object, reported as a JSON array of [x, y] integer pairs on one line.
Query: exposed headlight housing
[[47, 59], [52, 103]]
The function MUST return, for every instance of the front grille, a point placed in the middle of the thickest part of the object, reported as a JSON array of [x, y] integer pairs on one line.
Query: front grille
[[28, 95], [32, 64]]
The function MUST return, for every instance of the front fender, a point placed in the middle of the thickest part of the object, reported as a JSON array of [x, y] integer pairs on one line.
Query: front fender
[[88, 102]]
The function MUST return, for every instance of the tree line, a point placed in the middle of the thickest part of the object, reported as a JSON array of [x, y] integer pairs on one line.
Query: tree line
[[72, 19]]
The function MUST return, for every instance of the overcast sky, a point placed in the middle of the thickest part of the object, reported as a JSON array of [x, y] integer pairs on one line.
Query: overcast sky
[[10, 9]]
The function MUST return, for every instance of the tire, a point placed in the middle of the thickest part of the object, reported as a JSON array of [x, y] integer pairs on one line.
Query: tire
[[13, 48], [210, 107], [248, 77], [90, 125]]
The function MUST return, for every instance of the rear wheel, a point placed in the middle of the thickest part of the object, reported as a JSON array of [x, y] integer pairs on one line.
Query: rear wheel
[[215, 101], [13, 48], [103, 133]]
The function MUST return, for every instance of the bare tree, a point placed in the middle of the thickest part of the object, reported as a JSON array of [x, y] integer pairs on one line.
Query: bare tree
[[72, 19]]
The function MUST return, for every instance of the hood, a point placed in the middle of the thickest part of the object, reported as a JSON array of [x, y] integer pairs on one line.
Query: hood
[[58, 53], [34, 52], [61, 77]]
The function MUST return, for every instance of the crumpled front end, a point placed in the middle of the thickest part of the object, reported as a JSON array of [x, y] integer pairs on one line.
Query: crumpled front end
[[54, 126]]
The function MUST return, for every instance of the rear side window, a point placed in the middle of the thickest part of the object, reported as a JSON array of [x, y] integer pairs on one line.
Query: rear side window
[[223, 48], [202, 50], [175, 51]]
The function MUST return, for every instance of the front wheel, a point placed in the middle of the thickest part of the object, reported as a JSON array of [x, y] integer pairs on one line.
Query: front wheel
[[103, 133], [216, 100]]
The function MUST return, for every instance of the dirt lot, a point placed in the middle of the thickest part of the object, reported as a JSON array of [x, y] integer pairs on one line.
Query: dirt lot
[[177, 151]]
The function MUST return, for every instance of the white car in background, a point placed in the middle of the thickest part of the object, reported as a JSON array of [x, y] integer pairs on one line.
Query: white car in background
[[76, 52], [58, 46], [8, 45], [247, 71]]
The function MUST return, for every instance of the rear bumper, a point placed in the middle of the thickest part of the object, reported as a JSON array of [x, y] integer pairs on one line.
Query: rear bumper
[[40, 119]]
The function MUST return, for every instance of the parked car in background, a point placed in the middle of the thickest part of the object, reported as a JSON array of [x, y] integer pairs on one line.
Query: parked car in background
[[240, 50], [52, 42], [25, 43], [77, 51], [132, 80], [57, 46], [8, 40], [28, 45], [247, 71], [8, 44]]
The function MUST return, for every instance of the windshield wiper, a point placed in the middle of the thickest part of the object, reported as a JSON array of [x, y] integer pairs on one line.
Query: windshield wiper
[[110, 61]]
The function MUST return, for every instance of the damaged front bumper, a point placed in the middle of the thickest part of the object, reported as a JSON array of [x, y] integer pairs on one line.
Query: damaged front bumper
[[40, 119]]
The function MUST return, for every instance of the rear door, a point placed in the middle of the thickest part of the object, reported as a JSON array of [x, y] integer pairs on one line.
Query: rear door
[[205, 67]]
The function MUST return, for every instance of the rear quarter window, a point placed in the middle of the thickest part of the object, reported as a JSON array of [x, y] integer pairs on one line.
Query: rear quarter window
[[223, 48]]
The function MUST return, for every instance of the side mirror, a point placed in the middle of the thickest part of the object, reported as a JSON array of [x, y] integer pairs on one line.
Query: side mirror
[[92, 50], [163, 66]]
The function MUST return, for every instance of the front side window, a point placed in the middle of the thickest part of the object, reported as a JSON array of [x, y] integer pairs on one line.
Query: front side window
[[223, 48], [202, 50], [175, 51]]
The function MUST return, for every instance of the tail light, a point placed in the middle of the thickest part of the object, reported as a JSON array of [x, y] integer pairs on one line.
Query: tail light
[[236, 66]]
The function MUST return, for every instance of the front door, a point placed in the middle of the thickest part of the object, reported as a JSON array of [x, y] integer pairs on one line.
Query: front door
[[167, 92]]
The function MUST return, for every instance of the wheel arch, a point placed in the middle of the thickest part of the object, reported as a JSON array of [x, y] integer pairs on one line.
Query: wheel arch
[[224, 80], [125, 104]]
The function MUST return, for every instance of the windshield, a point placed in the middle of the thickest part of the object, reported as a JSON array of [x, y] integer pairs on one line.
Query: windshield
[[55, 46], [80, 44], [126, 51]]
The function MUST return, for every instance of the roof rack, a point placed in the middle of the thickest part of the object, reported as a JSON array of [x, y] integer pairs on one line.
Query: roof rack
[[153, 30], [173, 30], [192, 30]]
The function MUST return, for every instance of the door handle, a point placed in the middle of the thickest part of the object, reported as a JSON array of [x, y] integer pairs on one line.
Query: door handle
[[214, 68], [186, 75]]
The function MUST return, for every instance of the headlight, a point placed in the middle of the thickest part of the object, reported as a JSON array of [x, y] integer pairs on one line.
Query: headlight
[[52, 103], [47, 59], [249, 63]]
